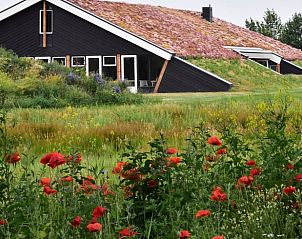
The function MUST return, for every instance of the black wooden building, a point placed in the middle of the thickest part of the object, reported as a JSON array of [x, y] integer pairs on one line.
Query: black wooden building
[[57, 30]]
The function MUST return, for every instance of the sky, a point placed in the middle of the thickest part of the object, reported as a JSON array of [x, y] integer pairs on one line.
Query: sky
[[235, 11]]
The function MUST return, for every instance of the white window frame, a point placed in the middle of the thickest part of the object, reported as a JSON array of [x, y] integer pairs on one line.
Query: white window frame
[[41, 20], [59, 57], [48, 58], [104, 59], [133, 89], [72, 65], [100, 64]]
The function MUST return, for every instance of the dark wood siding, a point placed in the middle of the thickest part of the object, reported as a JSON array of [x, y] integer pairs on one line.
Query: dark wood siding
[[289, 68], [72, 36], [183, 77]]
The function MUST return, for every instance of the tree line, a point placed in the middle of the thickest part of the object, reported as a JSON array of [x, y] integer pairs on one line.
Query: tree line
[[271, 26]]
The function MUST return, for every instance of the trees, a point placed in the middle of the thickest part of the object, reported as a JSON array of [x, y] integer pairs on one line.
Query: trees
[[292, 31], [271, 26]]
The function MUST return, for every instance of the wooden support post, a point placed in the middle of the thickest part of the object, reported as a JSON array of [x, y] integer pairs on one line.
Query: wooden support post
[[161, 75], [118, 67], [68, 62], [44, 24], [278, 69]]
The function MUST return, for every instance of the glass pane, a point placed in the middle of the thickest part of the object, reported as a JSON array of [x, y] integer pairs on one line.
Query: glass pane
[[49, 21], [60, 60], [78, 61], [129, 75], [93, 65], [109, 60]]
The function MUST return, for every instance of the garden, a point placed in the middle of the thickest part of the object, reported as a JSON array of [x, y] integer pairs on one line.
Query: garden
[[170, 167]]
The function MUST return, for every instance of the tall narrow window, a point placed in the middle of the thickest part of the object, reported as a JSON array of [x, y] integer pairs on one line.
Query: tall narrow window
[[49, 21]]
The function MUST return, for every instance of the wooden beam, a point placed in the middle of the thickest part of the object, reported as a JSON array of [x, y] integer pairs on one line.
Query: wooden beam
[[161, 75], [118, 67], [68, 62], [278, 68], [44, 24]]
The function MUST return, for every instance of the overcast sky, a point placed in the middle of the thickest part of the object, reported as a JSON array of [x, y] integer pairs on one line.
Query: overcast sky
[[235, 11]]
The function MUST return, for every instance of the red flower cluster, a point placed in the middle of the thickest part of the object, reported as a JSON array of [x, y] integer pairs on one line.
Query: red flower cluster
[[76, 221], [290, 166], [119, 167], [299, 177], [218, 237], [171, 151], [72, 159], [127, 232], [173, 161], [67, 179], [214, 140], [289, 190], [222, 151], [218, 195], [152, 183], [244, 181], [184, 234], [53, 159], [255, 171], [3, 222], [88, 186], [202, 213], [251, 163], [12, 158], [49, 191], [98, 212], [45, 181]]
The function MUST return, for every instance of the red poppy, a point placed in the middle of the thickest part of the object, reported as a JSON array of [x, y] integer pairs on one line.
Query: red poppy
[[53, 159], [290, 166], [184, 234], [213, 140], [73, 159], [218, 195], [118, 168], [67, 179], [202, 213], [173, 161], [221, 151], [212, 158], [131, 174], [49, 191], [88, 186], [94, 227], [218, 237], [106, 190], [152, 183], [45, 181], [3, 222], [299, 177], [13, 158], [171, 151], [127, 232], [99, 211], [76, 221], [245, 181], [289, 190], [250, 163], [255, 171]]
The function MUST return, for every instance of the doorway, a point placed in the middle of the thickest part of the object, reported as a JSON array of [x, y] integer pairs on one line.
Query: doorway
[[93, 65], [129, 71]]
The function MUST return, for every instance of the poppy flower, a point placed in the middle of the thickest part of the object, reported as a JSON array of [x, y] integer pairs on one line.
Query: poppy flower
[[171, 151], [13, 158], [289, 190], [173, 161], [94, 227], [106, 190], [245, 181], [290, 166], [250, 163], [127, 232], [76, 221], [255, 171], [221, 151], [118, 168], [49, 191], [45, 181], [212, 158], [53, 159], [72, 159], [99, 211], [3, 222], [184, 234], [67, 179], [213, 140], [218, 195], [202, 213], [299, 177], [218, 237], [152, 183]]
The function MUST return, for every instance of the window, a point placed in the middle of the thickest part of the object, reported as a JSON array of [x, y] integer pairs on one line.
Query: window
[[60, 60], [49, 21], [45, 59], [109, 60], [78, 61]]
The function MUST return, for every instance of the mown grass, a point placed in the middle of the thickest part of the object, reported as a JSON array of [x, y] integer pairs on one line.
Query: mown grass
[[247, 75]]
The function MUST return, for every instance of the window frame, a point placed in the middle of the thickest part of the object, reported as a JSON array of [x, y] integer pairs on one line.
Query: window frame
[[59, 57], [41, 22], [104, 59], [48, 58], [72, 65]]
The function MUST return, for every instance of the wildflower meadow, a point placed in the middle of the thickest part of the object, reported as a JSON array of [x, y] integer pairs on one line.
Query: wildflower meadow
[[223, 182]]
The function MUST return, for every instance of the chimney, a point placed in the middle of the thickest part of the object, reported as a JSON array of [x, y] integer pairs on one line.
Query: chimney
[[207, 13]]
